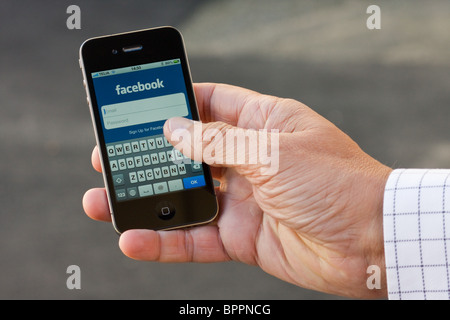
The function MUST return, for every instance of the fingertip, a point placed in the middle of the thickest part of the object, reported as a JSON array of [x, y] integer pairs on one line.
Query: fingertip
[[140, 244], [95, 159], [95, 205], [178, 123]]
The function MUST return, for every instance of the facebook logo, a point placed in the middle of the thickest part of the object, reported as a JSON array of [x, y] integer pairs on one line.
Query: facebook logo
[[139, 87]]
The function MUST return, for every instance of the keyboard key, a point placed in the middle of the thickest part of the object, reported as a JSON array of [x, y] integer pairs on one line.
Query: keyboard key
[[157, 173], [181, 168], [151, 144], [154, 157], [165, 172], [119, 149], [196, 166], [145, 190], [166, 142], [121, 194], [162, 157], [194, 182], [111, 151], [170, 155], [173, 170], [133, 177], [175, 185], [132, 192], [127, 148], [141, 176], [159, 143], [130, 163], [144, 145], [118, 180], [122, 164], [138, 161], [160, 187], [135, 146], [114, 166], [149, 174], [178, 155], [146, 160]]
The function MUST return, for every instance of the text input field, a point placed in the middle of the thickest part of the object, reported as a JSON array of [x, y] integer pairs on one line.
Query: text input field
[[145, 110]]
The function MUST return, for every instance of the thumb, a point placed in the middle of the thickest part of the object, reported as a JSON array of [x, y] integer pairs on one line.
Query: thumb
[[220, 144]]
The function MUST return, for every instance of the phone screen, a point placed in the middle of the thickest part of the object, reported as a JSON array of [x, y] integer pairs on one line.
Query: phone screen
[[134, 102]]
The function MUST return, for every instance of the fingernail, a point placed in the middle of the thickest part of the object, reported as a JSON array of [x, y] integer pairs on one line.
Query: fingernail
[[178, 123]]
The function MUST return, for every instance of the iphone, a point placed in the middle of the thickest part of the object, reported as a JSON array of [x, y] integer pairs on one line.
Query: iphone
[[134, 82]]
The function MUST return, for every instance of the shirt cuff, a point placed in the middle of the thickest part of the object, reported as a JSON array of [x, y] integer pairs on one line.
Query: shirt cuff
[[416, 223]]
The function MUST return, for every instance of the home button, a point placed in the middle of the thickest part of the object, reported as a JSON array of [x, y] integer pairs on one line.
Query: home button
[[165, 210]]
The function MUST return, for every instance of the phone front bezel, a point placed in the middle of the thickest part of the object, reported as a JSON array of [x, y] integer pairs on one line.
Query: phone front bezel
[[193, 206]]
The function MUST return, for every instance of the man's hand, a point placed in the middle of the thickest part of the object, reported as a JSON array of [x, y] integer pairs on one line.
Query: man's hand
[[316, 222]]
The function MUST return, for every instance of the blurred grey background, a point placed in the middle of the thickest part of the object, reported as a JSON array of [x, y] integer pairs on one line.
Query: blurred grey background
[[388, 89]]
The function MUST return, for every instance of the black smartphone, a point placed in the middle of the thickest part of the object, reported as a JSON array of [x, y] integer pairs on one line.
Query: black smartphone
[[134, 82]]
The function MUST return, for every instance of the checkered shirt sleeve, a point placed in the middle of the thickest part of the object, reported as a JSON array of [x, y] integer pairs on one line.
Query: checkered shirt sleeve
[[417, 233]]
